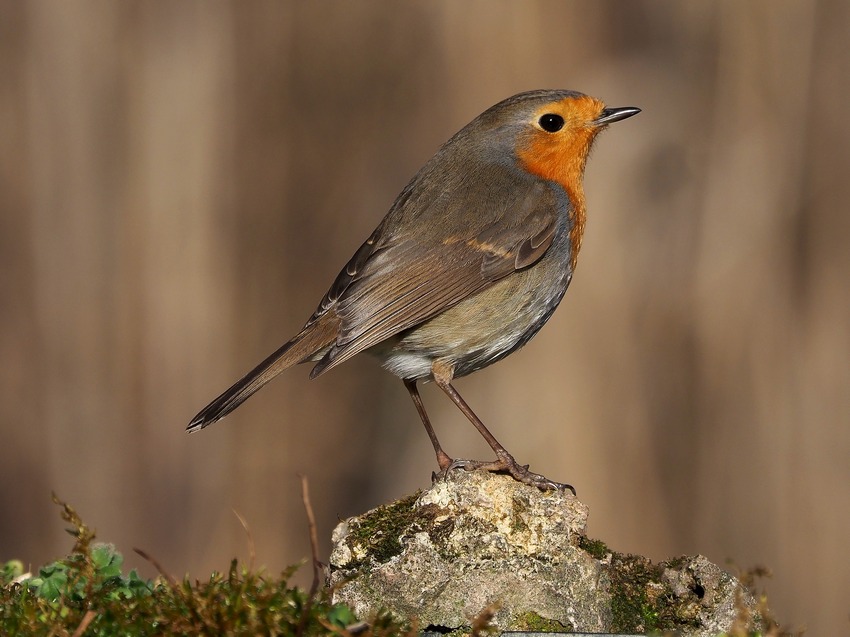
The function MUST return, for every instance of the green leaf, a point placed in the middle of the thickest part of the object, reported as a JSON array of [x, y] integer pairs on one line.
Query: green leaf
[[107, 561], [52, 584], [341, 615]]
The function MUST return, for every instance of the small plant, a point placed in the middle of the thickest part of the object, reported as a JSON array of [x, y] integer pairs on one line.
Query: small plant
[[80, 576], [87, 593]]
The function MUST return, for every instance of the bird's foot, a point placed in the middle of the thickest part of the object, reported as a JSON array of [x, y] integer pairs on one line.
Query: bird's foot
[[508, 465]]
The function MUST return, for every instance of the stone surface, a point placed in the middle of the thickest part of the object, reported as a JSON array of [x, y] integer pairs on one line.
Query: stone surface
[[477, 540]]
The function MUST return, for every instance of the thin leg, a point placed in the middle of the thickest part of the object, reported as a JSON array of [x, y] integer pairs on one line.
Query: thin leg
[[458, 400], [505, 461], [443, 460]]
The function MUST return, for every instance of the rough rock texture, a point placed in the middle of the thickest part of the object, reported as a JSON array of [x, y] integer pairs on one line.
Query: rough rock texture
[[477, 540]]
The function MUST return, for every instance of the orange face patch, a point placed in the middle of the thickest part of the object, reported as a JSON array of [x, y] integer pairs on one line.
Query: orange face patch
[[560, 156]]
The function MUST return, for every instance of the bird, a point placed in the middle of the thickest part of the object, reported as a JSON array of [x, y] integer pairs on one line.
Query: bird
[[468, 264]]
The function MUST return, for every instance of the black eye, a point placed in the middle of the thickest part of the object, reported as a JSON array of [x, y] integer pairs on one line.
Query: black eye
[[551, 123]]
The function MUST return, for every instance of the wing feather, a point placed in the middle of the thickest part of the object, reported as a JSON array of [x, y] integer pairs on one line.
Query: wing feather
[[396, 283]]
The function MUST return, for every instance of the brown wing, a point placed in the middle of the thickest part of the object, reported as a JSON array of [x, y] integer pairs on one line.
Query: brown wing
[[395, 281]]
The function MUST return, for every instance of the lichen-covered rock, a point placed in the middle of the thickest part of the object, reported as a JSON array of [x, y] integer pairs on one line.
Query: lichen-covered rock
[[477, 540]]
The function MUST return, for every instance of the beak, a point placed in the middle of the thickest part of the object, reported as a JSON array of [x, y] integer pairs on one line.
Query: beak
[[611, 115]]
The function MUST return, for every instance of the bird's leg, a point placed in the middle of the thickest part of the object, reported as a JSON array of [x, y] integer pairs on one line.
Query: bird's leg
[[505, 461], [442, 457]]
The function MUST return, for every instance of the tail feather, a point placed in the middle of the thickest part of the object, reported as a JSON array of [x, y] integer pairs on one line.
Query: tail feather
[[306, 344]]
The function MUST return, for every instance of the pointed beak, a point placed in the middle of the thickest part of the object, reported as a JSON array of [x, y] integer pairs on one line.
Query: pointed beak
[[611, 115]]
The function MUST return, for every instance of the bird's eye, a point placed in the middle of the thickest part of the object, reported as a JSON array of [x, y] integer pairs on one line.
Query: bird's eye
[[551, 122]]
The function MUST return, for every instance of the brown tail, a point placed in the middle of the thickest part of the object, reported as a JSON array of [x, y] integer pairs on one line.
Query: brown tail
[[308, 342]]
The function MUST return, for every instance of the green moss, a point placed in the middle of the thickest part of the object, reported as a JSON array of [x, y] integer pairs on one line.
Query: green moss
[[88, 593], [381, 531], [596, 548], [380, 534], [532, 622], [630, 605], [642, 602]]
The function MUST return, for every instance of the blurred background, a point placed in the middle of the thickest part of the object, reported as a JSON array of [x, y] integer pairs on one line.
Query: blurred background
[[181, 182]]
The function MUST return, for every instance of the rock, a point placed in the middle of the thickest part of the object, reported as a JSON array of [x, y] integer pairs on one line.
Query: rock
[[477, 541]]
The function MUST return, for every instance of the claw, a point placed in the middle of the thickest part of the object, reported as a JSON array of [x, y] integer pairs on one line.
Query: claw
[[536, 480], [466, 465], [507, 465]]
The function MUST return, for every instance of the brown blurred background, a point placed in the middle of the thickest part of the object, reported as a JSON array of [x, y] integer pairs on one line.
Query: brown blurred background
[[180, 182]]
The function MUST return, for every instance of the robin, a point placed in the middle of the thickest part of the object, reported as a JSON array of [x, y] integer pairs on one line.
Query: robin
[[471, 260]]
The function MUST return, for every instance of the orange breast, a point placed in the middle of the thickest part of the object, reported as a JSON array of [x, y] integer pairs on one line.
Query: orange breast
[[561, 156]]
